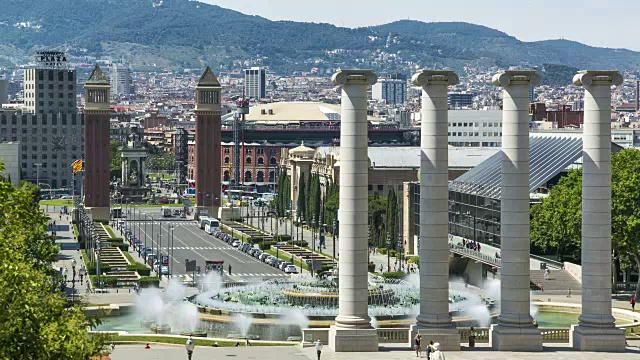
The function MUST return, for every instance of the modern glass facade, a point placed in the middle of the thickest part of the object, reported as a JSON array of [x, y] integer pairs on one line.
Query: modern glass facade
[[474, 217]]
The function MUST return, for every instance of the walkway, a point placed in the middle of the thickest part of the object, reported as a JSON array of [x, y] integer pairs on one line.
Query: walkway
[[162, 352], [69, 251]]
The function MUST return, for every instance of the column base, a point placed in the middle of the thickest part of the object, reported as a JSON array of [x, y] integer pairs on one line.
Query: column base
[[449, 338], [353, 340], [99, 213], [508, 338], [585, 338]]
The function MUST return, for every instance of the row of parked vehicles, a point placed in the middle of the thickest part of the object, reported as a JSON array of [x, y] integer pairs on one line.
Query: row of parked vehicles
[[149, 254], [209, 225]]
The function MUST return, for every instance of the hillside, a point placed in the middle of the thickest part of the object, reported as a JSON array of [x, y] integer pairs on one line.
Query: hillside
[[189, 34]]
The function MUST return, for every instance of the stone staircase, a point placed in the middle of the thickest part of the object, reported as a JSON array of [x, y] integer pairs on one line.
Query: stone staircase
[[114, 258], [559, 280]]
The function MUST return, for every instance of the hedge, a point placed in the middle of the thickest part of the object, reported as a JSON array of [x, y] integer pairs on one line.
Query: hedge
[[393, 253], [393, 275], [282, 238], [266, 245], [121, 245], [297, 242], [91, 268], [372, 267], [382, 251], [107, 281], [148, 281], [142, 270], [413, 259]]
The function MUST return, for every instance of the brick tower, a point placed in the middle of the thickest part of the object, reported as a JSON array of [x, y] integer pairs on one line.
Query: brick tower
[[207, 151], [96, 149]]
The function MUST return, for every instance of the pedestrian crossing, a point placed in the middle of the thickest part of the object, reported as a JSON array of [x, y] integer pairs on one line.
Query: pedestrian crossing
[[197, 248], [199, 277]]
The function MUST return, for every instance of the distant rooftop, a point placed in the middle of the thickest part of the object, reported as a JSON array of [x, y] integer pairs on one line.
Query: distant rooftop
[[297, 111]]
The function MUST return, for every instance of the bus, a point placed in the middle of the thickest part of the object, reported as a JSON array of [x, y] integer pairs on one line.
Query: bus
[[166, 211], [214, 265], [211, 225]]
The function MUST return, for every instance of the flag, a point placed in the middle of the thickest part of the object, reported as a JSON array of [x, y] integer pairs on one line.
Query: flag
[[76, 166]]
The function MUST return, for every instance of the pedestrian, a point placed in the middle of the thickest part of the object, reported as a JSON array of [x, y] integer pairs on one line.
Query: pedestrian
[[568, 292], [632, 301], [113, 346], [430, 350], [190, 347], [318, 348], [437, 354], [416, 344], [246, 342], [237, 344], [229, 269], [472, 338], [147, 346]]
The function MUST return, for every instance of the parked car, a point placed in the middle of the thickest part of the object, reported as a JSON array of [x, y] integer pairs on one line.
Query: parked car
[[150, 259], [291, 269], [270, 260], [257, 253], [283, 265], [276, 263], [263, 256], [236, 243]]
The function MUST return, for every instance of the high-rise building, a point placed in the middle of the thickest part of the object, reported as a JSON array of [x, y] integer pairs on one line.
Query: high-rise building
[[4, 91], [50, 91], [392, 90], [460, 100], [255, 83], [121, 83]]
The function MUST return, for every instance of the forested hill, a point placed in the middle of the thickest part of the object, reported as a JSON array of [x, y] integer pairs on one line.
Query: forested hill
[[189, 33]]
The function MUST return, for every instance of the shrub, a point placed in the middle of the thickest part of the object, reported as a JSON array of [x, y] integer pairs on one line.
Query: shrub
[[116, 239], [393, 275], [282, 238], [91, 268], [142, 270], [372, 267], [414, 259], [266, 245], [383, 251], [393, 253], [294, 242], [147, 281], [121, 245]]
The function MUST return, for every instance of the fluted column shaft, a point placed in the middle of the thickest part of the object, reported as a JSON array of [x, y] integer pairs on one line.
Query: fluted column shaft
[[434, 197], [354, 180], [596, 198], [515, 243]]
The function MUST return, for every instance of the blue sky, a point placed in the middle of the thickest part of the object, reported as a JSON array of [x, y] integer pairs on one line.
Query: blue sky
[[605, 23]]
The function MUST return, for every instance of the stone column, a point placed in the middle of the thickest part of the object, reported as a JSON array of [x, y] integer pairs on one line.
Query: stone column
[[515, 330], [434, 321], [353, 331], [596, 330]]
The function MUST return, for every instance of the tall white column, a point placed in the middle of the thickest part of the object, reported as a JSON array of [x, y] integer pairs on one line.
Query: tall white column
[[515, 330], [353, 331], [434, 321], [596, 330]]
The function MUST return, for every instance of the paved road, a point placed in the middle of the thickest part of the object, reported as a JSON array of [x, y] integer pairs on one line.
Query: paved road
[[190, 242]]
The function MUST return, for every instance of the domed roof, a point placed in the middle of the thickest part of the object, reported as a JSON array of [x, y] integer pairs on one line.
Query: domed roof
[[302, 151]]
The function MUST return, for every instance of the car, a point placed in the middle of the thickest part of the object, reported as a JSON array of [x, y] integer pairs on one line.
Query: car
[[256, 253], [283, 265], [270, 260], [183, 215], [236, 243], [276, 263], [150, 259], [251, 251], [291, 269], [263, 256], [177, 211]]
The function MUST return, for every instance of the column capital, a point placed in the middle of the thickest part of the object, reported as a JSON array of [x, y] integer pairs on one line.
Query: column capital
[[426, 77], [343, 77], [516, 77], [597, 77]]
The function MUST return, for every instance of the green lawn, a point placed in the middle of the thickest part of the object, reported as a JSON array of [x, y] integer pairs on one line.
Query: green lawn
[[110, 231], [57, 202], [196, 340]]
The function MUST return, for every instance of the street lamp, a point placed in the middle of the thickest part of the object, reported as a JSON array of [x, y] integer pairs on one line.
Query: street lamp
[[171, 257], [37, 165]]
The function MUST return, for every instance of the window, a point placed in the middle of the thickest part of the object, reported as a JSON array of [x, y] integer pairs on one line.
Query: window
[[226, 176], [260, 177], [273, 161], [248, 151], [247, 176], [226, 160], [370, 187], [380, 187], [226, 150], [272, 176], [260, 161], [247, 161], [260, 151]]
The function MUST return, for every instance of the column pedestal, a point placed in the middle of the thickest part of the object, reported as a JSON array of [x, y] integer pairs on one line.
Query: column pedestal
[[99, 213], [449, 338], [586, 338], [353, 340], [505, 338]]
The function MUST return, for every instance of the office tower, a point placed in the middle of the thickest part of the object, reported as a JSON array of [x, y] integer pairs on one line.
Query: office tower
[[392, 90], [120, 80], [4, 91], [255, 83], [459, 100], [50, 91]]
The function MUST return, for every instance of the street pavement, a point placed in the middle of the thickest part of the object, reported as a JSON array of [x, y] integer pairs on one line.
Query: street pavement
[[192, 243], [552, 352], [69, 251]]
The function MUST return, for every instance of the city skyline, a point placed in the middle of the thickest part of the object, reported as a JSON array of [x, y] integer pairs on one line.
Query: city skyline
[[589, 22]]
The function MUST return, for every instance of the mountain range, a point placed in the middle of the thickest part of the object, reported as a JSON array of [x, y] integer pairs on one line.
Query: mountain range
[[187, 34]]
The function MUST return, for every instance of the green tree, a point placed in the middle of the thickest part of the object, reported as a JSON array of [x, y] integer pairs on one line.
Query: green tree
[[556, 222], [392, 218], [302, 199], [377, 212], [115, 160], [35, 321]]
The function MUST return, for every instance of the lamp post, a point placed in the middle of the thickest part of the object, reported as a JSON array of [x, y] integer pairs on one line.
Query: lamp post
[[37, 165], [335, 237], [159, 252], [171, 257]]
